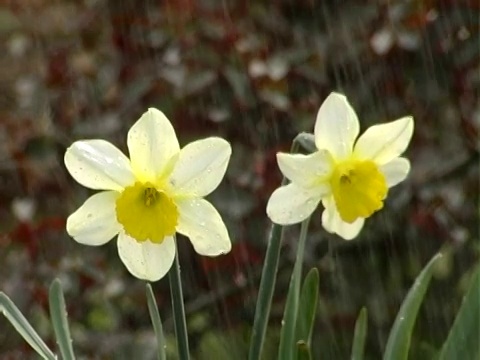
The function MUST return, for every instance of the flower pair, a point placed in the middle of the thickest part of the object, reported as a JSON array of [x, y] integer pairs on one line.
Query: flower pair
[[159, 191]]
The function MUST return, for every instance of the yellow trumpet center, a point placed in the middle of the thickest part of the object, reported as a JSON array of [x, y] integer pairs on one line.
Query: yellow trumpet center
[[359, 189], [146, 213]]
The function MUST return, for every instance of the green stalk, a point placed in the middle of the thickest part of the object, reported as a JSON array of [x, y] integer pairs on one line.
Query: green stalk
[[287, 347], [178, 308], [267, 282], [265, 292], [157, 323]]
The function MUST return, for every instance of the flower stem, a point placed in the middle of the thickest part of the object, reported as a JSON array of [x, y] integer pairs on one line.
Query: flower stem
[[265, 292], [288, 339], [157, 323], [178, 308], [267, 283]]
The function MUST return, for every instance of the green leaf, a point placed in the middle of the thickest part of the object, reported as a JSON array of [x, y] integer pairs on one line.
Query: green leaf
[[178, 308], [267, 283], [157, 323], [58, 314], [307, 306], [358, 348], [303, 351], [265, 292], [463, 339], [23, 327], [398, 343], [286, 350], [287, 335]]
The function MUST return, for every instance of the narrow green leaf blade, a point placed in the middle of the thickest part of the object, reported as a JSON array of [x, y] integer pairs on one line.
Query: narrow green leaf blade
[[178, 308], [303, 351], [23, 327], [307, 306], [287, 347], [463, 341], [398, 343], [265, 292], [358, 348], [58, 314], [157, 323], [267, 284]]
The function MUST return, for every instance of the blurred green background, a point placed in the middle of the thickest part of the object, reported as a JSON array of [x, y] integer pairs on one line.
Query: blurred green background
[[255, 73]]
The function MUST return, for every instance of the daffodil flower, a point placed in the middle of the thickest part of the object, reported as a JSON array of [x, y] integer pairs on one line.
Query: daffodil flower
[[349, 176], [148, 198]]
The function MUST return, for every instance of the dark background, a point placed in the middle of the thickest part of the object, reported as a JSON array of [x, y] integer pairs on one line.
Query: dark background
[[255, 73]]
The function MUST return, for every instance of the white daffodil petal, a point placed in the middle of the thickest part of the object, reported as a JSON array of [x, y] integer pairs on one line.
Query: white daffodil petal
[[332, 222], [292, 204], [95, 222], [97, 164], [337, 126], [146, 260], [383, 143], [202, 224], [200, 167], [395, 171], [305, 170], [152, 143]]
